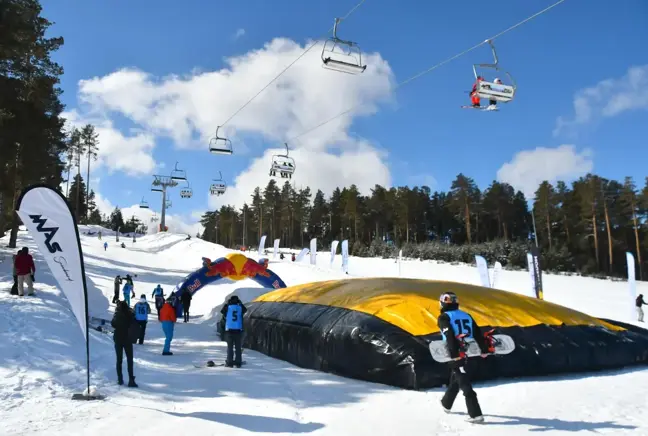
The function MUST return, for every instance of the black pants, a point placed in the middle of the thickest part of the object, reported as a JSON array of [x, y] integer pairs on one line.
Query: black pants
[[120, 347], [185, 310], [460, 380], [233, 339], [159, 302], [116, 296], [142, 332]]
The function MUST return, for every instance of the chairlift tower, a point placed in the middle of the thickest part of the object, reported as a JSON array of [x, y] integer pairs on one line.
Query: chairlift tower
[[163, 182]]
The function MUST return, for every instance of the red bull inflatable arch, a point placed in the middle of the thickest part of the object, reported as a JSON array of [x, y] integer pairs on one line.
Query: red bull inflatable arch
[[234, 266]]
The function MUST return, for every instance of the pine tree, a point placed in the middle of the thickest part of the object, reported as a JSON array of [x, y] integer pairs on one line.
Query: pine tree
[[116, 220], [90, 141]]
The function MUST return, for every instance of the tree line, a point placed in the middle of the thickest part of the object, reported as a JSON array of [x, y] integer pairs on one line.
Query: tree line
[[586, 226], [34, 145]]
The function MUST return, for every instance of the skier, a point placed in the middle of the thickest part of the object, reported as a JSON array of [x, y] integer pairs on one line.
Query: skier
[[25, 270], [128, 292], [142, 310], [493, 103], [168, 318], [281, 256], [105, 246], [122, 322], [292, 257], [158, 294], [186, 297], [474, 97], [233, 312], [640, 302], [452, 323], [118, 282]]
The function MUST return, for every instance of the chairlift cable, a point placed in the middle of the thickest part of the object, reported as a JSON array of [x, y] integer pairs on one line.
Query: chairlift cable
[[440, 64], [317, 41]]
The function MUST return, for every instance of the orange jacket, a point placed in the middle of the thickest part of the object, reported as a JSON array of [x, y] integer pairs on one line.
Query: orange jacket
[[168, 313]]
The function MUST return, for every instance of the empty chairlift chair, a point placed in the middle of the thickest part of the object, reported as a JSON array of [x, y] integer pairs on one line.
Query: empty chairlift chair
[[168, 204], [178, 174], [490, 90], [341, 55], [220, 145], [143, 204], [186, 192], [156, 188], [218, 187], [283, 164]]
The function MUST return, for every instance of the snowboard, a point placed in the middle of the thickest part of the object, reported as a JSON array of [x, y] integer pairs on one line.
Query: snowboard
[[211, 364], [497, 344], [482, 108]]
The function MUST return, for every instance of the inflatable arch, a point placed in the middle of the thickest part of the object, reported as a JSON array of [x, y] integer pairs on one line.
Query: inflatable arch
[[234, 266]]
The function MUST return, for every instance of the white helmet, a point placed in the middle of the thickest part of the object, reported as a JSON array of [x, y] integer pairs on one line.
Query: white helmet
[[497, 80]]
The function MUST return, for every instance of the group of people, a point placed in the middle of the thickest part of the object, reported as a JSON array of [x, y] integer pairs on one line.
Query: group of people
[[474, 94], [24, 271]]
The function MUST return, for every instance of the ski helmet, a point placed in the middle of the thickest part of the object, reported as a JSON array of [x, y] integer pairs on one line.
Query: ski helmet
[[497, 80], [448, 299]]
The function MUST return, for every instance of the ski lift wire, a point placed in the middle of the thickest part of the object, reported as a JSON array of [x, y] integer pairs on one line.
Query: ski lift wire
[[434, 67], [317, 41]]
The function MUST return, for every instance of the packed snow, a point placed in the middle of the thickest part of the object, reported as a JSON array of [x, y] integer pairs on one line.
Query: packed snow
[[42, 357]]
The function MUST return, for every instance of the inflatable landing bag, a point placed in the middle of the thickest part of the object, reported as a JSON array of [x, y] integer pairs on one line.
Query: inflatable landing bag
[[498, 344]]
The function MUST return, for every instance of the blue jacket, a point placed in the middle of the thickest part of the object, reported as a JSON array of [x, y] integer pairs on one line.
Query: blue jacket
[[128, 289], [157, 292], [142, 310]]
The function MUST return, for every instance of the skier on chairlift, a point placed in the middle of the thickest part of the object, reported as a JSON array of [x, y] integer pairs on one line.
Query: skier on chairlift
[[474, 95]]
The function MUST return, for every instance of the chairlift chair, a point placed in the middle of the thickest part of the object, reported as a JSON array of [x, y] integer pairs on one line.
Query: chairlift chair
[[168, 204], [284, 164], [154, 218], [143, 204], [218, 187], [186, 192], [493, 91], [220, 145], [178, 174], [340, 55], [156, 188]]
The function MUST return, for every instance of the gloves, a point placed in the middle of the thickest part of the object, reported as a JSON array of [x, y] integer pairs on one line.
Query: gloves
[[32, 277]]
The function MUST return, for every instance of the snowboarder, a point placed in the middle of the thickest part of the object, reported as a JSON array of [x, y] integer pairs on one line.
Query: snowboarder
[[128, 292], [105, 246], [452, 323], [122, 322], [25, 270], [186, 297], [118, 282], [168, 318], [158, 295], [640, 302], [233, 312], [142, 310], [281, 256]]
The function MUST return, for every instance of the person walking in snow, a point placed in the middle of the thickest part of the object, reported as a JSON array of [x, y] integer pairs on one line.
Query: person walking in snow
[[142, 310], [640, 302], [158, 295], [186, 297], [118, 282], [105, 246], [128, 293], [452, 323], [168, 318], [233, 312], [25, 270], [122, 322]]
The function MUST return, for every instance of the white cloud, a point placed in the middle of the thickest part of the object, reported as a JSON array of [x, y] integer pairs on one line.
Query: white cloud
[[529, 168], [175, 223], [187, 109], [118, 152], [608, 98], [238, 34]]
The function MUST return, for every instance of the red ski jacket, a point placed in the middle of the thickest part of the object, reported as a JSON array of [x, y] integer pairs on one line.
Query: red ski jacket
[[24, 264]]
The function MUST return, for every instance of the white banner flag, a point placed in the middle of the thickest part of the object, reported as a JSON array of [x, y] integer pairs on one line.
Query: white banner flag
[[276, 248], [313, 251], [482, 268], [334, 246], [400, 259], [531, 274], [301, 254], [345, 256], [262, 246], [632, 284], [497, 269]]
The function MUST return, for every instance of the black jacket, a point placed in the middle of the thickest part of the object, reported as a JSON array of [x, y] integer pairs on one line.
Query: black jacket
[[640, 301], [121, 322], [186, 298], [452, 342]]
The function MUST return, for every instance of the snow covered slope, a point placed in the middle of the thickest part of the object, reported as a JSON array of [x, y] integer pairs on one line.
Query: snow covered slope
[[42, 362]]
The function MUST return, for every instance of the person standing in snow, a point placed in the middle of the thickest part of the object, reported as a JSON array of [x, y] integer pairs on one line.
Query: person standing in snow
[[640, 302], [186, 297], [158, 295], [105, 246], [128, 293], [233, 312], [25, 270], [452, 323], [118, 282], [122, 322], [142, 310], [168, 319]]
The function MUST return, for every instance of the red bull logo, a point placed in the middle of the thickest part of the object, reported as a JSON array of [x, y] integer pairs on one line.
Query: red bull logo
[[195, 285], [252, 269], [223, 267]]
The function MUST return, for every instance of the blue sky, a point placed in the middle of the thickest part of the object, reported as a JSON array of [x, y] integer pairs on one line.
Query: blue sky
[[417, 134]]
